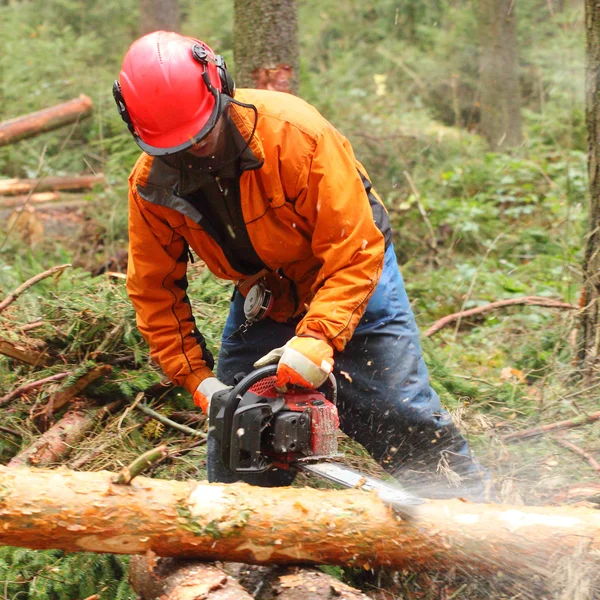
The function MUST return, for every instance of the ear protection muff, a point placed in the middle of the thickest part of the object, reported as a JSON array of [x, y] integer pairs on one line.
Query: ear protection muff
[[227, 83], [121, 107]]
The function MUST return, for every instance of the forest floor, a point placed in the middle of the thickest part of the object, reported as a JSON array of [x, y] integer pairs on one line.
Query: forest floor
[[81, 319]]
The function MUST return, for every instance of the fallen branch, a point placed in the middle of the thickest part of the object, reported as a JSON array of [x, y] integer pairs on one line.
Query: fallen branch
[[42, 200], [480, 310], [532, 432], [56, 443], [98, 449], [61, 398], [168, 422], [44, 120], [579, 451], [30, 282], [42, 509], [140, 464], [12, 187], [28, 387], [30, 356]]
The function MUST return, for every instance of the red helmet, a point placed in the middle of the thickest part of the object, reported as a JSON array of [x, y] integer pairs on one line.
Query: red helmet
[[169, 91]]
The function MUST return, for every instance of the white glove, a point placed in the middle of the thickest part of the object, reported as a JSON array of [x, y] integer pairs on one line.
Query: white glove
[[303, 361], [204, 392]]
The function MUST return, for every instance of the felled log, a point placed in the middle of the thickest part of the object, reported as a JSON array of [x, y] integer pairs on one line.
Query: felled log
[[170, 579], [175, 579], [44, 120], [73, 511], [26, 354], [53, 445], [43, 200], [14, 187]]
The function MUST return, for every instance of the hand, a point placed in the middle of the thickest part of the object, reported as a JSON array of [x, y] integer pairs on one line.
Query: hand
[[204, 392], [303, 361]]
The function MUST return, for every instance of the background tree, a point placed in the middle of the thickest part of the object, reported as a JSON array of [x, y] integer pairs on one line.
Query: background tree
[[499, 74], [159, 14], [590, 319], [266, 44]]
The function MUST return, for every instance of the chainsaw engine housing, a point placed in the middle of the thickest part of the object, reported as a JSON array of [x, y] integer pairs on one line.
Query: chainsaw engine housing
[[260, 428]]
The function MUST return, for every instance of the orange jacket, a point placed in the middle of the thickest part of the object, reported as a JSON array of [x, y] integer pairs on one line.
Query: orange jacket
[[310, 213]]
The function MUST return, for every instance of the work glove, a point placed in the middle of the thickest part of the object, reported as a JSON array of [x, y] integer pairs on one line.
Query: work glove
[[205, 391], [303, 361]]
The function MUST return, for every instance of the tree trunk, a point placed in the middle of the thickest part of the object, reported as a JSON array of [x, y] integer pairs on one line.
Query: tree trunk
[[44, 120], [175, 579], [71, 511], [15, 187], [589, 351], [265, 47], [499, 74], [159, 14]]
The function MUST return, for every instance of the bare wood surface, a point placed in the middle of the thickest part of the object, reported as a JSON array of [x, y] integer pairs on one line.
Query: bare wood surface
[[73, 511], [480, 310], [33, 385], [13, 187], [579, 451], [25, 354], [551, 427], [29, 283], [26, 126]]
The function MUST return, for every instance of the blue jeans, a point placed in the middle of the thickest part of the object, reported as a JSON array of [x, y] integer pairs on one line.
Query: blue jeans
[[385, 401]]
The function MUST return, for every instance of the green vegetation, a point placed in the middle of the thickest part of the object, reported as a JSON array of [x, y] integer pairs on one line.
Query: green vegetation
[[400, 80]]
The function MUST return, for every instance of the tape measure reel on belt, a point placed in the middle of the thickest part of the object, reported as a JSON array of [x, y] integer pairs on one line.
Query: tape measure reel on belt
[[258, 302]]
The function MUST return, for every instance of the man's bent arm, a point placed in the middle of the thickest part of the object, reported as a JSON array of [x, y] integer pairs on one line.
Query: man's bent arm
[[156, 284], [345, 238]]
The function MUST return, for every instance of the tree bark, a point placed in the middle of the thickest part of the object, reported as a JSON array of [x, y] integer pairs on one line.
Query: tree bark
[[45, 120], [170, 579], [265, 47], [589, 349], [175, 579], [499, 74], [71, 511], [159, 14], [13, 187], [56, 443]]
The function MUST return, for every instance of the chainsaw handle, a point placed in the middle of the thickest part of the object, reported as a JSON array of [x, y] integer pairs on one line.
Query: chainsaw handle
[[271, 371], [232, 404]]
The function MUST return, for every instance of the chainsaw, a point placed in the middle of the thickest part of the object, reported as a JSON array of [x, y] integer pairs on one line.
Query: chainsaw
[[260, 428]]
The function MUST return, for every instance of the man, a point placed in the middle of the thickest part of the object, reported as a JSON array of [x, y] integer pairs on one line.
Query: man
[[270, 196]]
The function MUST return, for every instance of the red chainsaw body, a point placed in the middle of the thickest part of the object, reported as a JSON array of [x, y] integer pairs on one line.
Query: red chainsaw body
[[321, 412]]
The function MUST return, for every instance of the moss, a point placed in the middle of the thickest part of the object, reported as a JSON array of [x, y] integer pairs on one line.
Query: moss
[[216, 528]]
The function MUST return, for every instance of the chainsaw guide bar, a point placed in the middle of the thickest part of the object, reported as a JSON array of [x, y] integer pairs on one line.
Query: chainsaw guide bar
[[400, 500]]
